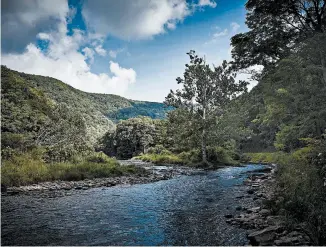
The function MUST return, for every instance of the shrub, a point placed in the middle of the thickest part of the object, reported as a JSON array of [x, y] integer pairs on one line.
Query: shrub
[[161, 158], [159, 149], [219, 155]]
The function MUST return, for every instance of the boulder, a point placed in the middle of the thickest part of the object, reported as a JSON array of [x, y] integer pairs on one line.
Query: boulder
[[264, 212], [264, 237], [253, 210]]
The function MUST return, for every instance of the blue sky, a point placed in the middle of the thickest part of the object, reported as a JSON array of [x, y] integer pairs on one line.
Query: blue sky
[[132, 48]]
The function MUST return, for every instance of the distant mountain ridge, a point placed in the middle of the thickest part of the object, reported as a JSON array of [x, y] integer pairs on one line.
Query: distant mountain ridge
[[25, 100]]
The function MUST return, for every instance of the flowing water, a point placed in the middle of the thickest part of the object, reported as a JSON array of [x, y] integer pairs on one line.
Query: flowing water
[[188, 210]]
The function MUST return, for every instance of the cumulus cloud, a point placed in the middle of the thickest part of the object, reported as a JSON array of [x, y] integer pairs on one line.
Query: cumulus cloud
[[235, 27], [137, 19], [21, 21], [68, 56], [114, 53], [210, 3], [99, 49], [63, 60]]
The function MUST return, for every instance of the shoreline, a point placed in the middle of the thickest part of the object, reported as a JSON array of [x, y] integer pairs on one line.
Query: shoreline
[[153, 174]]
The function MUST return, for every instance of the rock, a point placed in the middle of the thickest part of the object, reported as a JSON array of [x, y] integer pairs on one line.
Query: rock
[[78, 188], [228, 216], [264, 237], [250, 191], [264, 212], [293, 238], [253, 210], [238, 208], [12, 192]]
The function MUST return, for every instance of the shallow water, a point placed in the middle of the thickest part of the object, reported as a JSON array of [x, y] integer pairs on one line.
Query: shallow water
[[188, 210]]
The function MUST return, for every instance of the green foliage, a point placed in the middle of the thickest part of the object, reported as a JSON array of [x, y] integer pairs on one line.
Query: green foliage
[[216, 155], [275, 27], [162, 159], [28, 102], [289, 102], [133, 136], [221, 156], [158, 149], [205, 94], [30, 168], [301, 175]]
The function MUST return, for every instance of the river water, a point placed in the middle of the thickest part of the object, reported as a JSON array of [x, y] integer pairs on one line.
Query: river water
[[188, 210]]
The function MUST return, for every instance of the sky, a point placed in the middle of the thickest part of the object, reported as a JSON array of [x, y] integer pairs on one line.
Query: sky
[[135, 49]]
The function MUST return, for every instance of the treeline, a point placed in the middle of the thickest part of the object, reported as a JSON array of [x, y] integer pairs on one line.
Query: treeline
[[285, 112]]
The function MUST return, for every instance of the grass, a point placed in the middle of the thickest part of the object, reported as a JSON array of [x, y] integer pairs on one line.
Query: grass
[[29, 168], [162, 159], [217, 156]]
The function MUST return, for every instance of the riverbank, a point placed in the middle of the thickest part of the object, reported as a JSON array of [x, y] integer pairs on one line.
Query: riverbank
[[153, 173], [266, 227]]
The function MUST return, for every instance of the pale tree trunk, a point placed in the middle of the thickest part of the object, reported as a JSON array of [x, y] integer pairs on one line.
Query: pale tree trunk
[[203, 139], [323, 66]]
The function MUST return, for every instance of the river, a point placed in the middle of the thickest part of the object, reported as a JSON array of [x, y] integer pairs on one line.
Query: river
[[188, 210]]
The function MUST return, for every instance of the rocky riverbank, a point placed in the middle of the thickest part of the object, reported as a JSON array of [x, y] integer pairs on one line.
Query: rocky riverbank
[[267, 228], [61, 188]]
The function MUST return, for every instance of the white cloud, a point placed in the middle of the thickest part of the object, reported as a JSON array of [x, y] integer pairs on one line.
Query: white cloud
[[114, 53], [21, 21], [210, 3], [99, 49], [89, 53], [64, 61], [220, 34], [235, 27], [137, 19]]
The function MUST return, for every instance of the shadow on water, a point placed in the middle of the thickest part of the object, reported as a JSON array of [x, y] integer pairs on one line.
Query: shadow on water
[[188, 210]]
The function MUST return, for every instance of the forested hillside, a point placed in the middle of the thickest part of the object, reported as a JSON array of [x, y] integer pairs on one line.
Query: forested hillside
[[27, 101]]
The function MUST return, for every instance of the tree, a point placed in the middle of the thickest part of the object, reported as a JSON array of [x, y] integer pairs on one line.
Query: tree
[[276, 26], [205, 94], [63, 135]]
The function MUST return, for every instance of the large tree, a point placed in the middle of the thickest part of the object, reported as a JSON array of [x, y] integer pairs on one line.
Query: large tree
[[205, 93], [275, 27]]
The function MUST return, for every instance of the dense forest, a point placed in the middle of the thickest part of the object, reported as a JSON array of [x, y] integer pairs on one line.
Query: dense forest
[[211, 121]]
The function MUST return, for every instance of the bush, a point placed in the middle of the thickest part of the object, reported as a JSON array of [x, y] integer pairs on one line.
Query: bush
[[159, 149], [221, 156], [215, 155], [161, 158]]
